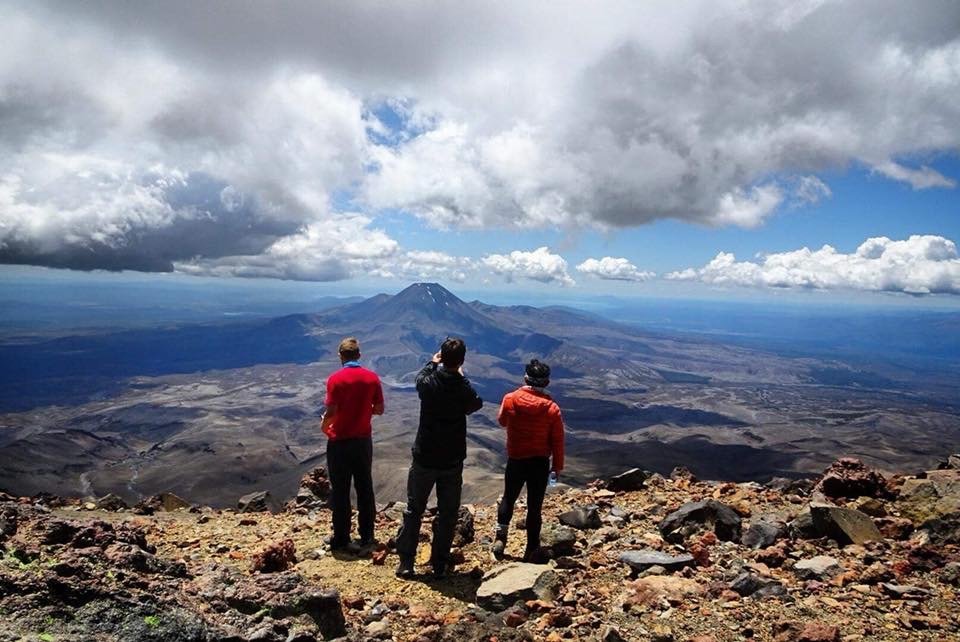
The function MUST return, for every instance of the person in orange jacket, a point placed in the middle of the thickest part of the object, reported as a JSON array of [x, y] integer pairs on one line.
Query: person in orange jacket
[[534, 434]]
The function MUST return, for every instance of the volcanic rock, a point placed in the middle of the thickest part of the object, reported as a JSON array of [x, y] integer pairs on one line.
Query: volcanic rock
[[275, 558], [582, 518], [111, 502], [630, 480], [640, 561], [505, 584], [256, 502], [936, 495], [166, 502], [464, 530], [558, 540], [845, 525], [752, 585], [696, 516], [817, 568], [764, 532], [848, 477]]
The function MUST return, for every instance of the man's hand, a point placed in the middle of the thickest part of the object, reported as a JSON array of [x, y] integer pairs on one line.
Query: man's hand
[[436, 357], [327, 419]]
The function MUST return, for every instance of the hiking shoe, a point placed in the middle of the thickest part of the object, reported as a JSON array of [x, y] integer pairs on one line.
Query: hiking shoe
[[498, 549], [440, 571], [405, 568], [535, 555]]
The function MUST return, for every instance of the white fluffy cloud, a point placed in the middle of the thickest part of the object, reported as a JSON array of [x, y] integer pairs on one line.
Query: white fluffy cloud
[[143, 135], [614, 269], [917, 265], [539, 265]]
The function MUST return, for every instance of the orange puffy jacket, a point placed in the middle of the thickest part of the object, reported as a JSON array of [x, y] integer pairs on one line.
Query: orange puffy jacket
[[534, 425]]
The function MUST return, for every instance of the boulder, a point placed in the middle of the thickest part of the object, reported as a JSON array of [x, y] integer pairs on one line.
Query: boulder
[[943, 530], [505, 584], [753, 585], [111, 502], [256, 502], [166, 502], [845, 525], [849, 477], [707, 514], [630, 480], [582, 518], [817, 568], [558, 540], [936, 495], [950, 574], [640, 561], [764, 532], [803, 527]]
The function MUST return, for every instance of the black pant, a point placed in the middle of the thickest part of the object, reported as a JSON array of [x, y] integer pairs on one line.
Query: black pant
[[420, 482], [348, 458], [533, 472]]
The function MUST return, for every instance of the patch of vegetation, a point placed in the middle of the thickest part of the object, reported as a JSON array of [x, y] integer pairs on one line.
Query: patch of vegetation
[[46, 637], [153, 621]]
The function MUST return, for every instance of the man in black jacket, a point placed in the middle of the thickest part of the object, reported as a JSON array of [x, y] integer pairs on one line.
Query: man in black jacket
[[446, 398]]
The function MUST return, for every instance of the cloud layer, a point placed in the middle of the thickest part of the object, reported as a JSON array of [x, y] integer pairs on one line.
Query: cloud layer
[[917, 265], [154, 136], [614, 269]]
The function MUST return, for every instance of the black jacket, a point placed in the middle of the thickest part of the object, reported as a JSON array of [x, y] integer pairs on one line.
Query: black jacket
[[446, 398]]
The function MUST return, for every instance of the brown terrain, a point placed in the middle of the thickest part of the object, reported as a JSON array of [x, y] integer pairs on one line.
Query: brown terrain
[[848, 555], [636, 398]]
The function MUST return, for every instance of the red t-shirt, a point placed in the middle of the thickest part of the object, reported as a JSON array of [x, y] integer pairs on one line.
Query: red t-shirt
[[354, 390]]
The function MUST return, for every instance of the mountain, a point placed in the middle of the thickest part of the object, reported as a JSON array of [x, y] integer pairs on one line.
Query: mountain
[[215, 411]]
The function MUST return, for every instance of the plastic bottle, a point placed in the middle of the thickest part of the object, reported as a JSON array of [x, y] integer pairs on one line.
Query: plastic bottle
[[552, 479]]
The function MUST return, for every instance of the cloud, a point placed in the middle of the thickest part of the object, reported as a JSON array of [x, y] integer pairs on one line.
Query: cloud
[[148, 135], [917, 265], [923, 178], [614, 269], [538, 265], [329, 251]]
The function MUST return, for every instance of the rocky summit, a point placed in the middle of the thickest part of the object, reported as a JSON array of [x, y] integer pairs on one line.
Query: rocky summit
[[852, 555]]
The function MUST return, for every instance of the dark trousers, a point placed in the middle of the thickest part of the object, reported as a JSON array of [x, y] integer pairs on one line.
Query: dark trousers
[[346, 459], [420, 481], [532, 472]]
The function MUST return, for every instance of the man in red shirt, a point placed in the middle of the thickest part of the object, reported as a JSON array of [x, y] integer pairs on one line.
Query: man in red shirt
[[354, 395]]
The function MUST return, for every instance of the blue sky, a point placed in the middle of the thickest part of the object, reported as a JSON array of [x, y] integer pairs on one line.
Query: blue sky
[[661, 156]]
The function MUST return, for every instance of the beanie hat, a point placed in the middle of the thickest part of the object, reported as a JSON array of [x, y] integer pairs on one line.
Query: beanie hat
[[537, 374]]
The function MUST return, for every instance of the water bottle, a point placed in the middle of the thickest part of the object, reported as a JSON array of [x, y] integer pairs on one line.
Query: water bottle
[[552, 479]]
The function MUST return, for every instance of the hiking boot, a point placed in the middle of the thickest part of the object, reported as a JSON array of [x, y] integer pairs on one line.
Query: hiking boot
[[337, 544], [440, 571], [500, 541], [405, 568], [535, 555]]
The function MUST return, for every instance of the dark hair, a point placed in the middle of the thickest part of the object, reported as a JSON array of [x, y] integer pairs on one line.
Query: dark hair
[[537, 374], [452, 352], [349, 349]]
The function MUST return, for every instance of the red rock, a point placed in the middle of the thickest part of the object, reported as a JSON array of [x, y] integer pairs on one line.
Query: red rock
[[514, 617], [275, 558], [379, 557], [354, 601], [700, 553], [849, 477]]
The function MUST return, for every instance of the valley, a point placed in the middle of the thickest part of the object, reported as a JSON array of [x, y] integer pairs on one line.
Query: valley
[[204, 422]]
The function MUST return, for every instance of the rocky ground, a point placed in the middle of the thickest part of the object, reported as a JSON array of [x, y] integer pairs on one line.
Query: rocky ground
[[852, 555]]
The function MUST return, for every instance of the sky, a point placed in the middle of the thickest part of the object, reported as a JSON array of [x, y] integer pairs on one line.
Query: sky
[[801, 148]]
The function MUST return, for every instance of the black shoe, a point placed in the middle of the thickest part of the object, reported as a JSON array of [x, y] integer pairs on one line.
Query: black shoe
[[440, 570], [405, 568], [497, 549], [535, 555], [336, 544]]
